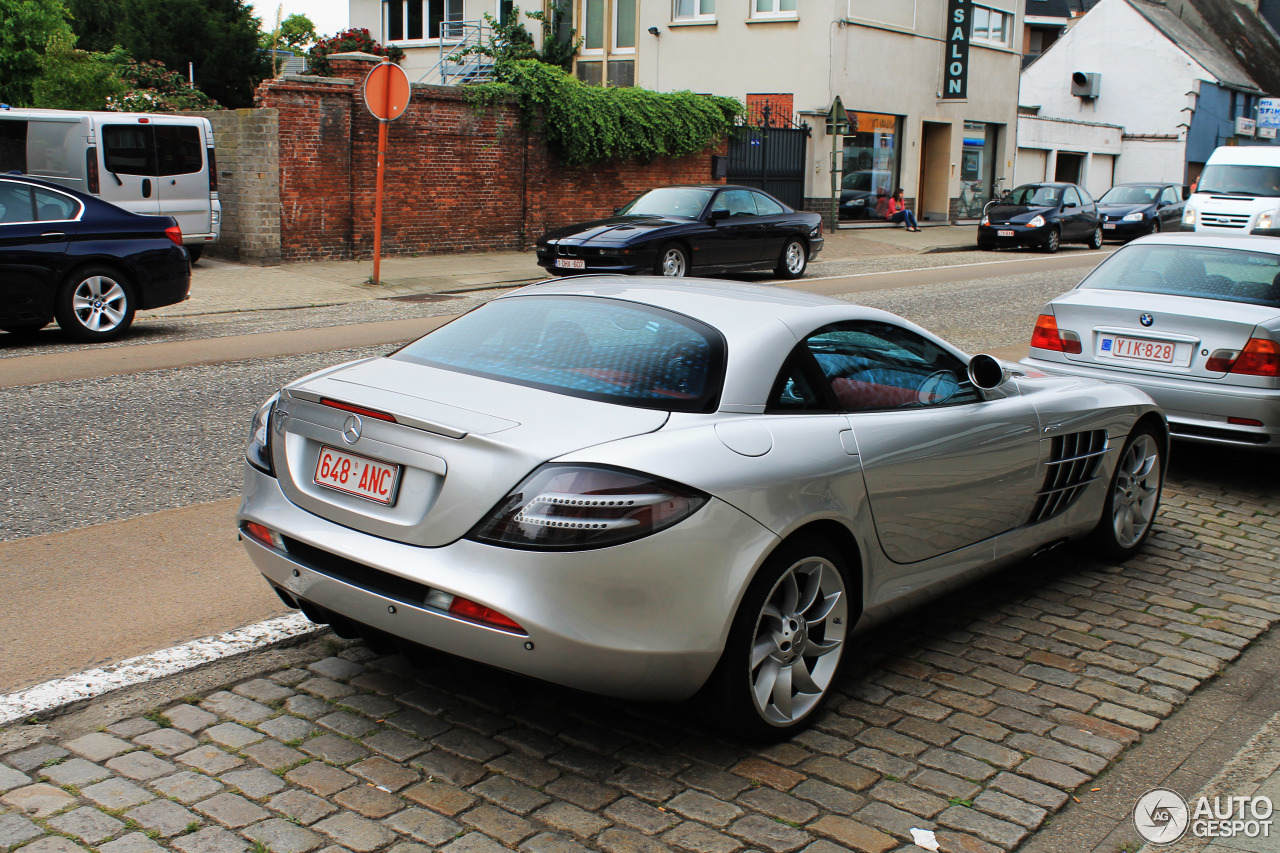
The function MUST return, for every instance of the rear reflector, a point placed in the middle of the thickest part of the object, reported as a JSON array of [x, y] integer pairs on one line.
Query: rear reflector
[[1244, 421], [357, 410], [264, 535], [91, 170], [464, 608], [1046, 336]]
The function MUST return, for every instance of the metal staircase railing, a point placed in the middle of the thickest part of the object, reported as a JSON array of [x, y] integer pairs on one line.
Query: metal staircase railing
[[454, 70]]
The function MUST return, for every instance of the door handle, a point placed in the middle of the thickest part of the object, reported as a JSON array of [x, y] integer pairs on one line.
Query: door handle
[[146, 188], [53, 235]]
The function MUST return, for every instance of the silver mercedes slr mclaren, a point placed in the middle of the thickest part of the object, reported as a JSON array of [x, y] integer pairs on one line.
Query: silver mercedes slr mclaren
[[656, 489]]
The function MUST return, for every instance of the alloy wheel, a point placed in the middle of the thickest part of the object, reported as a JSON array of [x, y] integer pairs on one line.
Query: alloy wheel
[[674, 263], [1137, 491], [99, 303], [795, 258], [798, 640]]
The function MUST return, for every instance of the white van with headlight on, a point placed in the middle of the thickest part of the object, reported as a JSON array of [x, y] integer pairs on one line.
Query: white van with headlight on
[[150, 163], [1238, 193]]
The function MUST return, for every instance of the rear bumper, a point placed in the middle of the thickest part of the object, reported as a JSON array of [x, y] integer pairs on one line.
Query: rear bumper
[[169, 282], [1196, 411], [647, 619]]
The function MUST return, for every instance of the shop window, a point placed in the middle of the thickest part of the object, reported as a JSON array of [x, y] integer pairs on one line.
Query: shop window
[[694, 10], [991, 27], [774, 9], [421, 20], [872, 157]]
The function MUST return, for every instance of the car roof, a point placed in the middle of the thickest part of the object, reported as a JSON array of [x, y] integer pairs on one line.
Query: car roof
[[1269, 245]]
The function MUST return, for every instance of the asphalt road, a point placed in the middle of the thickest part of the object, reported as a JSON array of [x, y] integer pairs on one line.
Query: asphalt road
[[120, 465]]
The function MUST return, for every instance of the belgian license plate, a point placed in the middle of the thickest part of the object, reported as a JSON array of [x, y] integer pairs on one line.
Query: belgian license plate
[[1136, 348], [1004, 233], [1109, 225], [357, 475], [570, 264]]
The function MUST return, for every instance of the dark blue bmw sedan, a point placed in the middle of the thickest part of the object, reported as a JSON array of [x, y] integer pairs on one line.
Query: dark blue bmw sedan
[[68, 256]]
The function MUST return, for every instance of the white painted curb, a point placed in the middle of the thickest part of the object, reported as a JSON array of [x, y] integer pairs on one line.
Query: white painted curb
[[92, 683]]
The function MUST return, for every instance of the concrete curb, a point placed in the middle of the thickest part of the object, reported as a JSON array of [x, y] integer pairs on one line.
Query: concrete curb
[[62, 694]]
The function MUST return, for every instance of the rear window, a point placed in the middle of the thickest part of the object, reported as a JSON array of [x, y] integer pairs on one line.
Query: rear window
[[1240, 180], [128, 149], [1230, 275], [179, 149], [600, 349]]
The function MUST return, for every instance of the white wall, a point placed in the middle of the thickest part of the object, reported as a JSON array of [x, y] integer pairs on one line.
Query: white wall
[[1029, 167], [1145, 78], [1152, 160]]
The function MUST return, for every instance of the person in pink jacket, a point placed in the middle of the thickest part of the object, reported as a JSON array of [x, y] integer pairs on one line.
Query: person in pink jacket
[[897, 209]]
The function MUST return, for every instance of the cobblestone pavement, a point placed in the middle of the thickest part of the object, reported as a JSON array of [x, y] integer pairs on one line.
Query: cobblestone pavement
[[976, 718]]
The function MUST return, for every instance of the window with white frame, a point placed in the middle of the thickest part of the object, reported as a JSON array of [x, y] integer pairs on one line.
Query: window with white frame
[[593, 19], [991, 26], [421, 20], [624, 26], [773, 8], [694, 10]]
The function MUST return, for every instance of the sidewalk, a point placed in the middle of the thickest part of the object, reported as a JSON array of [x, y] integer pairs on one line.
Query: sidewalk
[[220, 287]]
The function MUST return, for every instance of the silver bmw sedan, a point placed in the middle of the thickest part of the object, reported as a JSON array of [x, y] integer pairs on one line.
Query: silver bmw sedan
[[1194, 321], [657, 489]]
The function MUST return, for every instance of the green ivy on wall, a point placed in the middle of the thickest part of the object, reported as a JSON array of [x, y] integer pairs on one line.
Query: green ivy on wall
[[591, 124]]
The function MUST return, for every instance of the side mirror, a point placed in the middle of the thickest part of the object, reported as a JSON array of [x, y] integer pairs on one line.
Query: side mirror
[[986, 373], [1069, 204], [717, 215], [1186, 193]]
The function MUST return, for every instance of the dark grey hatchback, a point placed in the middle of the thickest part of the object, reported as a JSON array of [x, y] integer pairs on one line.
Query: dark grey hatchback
[[83, 261], [1041, 215]]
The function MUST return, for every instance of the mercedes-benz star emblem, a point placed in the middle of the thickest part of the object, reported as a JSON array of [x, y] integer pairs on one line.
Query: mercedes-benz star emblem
[[351, 430], [1146, 319]]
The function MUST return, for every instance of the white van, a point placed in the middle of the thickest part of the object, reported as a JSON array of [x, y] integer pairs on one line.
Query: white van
[[147, 163], [1238, 192]]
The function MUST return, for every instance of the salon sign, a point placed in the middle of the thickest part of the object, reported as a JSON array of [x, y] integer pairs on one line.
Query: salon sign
[[955, 80]]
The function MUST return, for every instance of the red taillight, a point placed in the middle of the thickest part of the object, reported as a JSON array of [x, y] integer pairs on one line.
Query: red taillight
[[1046, 336], [467, 609], [1260, 357], [213, 171], [174, 233], [1244, 421], [357, 410], [91, 170]]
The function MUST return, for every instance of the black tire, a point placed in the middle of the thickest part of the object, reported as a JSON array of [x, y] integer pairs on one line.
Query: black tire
[[195, 252], [1052, 242], [730, 695], [1095, 241], [95, 304], [1133, 496], [1155, 225], [673, 261], [793, 261]]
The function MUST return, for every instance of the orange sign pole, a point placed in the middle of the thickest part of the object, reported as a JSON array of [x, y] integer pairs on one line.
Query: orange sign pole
[[377, 199]]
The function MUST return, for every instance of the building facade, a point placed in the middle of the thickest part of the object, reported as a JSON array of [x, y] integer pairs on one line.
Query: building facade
[[929, 85]]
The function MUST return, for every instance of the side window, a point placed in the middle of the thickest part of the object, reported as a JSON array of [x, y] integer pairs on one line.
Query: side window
[[1071, 197], [51, 206], [13, 145], [1171, 195], [794, 390], [737, 202], [179, 150], [874, 366], [15, 203], [766, 206], [1084, 195], [128, 149]]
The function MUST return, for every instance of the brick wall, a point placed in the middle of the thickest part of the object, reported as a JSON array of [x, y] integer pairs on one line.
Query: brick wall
[[247, 153], [458, 179]]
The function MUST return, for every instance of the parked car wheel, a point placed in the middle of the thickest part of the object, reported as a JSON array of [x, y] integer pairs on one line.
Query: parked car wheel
[[673, 261], [786, 642], [1134, 497], [1052, 242], [1095, 240], [195, 252], [95, 304], [793, 260], [1155, 225]]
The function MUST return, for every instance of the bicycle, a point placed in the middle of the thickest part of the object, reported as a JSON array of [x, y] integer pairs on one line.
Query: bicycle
[[998, 193]]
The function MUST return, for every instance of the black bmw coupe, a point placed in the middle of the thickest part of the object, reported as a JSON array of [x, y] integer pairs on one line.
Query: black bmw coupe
[[680, 231]]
